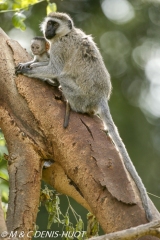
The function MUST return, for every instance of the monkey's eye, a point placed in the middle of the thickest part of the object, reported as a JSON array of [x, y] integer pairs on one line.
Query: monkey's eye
[[52, 23], [56, 24], [49, 23]]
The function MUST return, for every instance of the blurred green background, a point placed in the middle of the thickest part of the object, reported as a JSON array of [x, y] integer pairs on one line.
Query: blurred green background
[[128, 36]]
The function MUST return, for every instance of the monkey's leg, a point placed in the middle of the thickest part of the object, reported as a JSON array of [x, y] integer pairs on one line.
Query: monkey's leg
[[73, 94], [67, 114]]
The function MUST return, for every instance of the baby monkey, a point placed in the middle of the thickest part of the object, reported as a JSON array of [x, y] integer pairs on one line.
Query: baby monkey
[[40, 49]]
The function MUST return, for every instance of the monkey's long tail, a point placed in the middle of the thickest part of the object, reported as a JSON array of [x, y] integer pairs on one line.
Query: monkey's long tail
[[104, 113]]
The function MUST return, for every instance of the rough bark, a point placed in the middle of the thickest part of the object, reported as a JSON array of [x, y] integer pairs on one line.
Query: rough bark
[[86, 164]]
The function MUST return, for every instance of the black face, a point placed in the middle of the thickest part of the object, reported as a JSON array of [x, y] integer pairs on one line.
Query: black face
[[51, 28]]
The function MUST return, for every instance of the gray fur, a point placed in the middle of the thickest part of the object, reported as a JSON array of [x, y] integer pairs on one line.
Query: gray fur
[[77, 64]]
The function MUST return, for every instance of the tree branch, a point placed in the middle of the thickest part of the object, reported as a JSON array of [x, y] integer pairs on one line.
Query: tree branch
[[152, 228], [83, 156]]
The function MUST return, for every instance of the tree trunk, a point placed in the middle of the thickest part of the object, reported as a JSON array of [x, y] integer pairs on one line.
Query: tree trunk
[[86, 164]]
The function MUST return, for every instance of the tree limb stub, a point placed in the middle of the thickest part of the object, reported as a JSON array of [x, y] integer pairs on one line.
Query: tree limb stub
[[152, 228], [31, 118]]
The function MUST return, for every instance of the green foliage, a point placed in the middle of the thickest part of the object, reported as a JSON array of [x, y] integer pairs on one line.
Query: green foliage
[[4, 188], [2, 145], [51, 7], [18, 20], [92, 226], [51, 201], [4, 5], [19, 6]]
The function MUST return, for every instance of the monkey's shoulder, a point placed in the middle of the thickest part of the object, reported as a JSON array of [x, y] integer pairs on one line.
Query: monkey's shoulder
[[85, 44], [77, 42], [88, 48]]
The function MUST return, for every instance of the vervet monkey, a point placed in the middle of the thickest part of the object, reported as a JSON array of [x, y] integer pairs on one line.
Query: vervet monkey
[[40, 50], [78, 65]]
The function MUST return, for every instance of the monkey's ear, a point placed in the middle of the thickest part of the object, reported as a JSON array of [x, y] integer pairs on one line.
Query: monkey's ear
[[47, 46], [70, 25]]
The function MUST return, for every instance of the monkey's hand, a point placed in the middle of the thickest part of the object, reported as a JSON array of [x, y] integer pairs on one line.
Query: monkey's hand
[[21, 66], [18, 69], [24, 69]]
